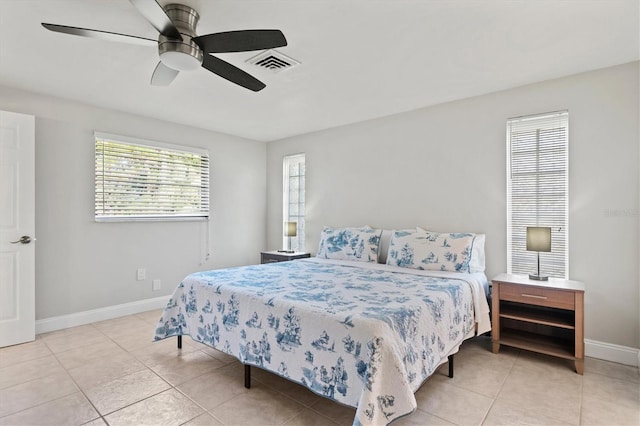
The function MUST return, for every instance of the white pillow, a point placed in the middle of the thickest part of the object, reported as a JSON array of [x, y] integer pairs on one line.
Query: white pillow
[[477, 263], [433, 251], [359, 244]]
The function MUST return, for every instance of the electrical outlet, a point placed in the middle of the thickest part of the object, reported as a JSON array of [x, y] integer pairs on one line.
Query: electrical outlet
[[155, 286], [141, 274]]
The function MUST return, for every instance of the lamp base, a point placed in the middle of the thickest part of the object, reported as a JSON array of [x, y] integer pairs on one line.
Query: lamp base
[[286, 251], [538, 277]]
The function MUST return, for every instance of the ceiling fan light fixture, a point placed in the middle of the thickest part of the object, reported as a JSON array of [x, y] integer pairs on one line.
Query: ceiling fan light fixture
[[184, 54], [180, 61]]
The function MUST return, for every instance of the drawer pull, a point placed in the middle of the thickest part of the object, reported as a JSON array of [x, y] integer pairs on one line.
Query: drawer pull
[[533, 296]]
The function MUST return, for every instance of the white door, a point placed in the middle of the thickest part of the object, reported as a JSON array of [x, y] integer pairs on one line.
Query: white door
[[17, 226]]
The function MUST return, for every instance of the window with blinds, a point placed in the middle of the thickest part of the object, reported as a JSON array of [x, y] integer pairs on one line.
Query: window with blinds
[[293, 197], [143, 180], [538, 191]]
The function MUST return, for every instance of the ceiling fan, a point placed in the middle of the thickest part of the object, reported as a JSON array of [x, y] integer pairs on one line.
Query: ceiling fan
[[181, 49]]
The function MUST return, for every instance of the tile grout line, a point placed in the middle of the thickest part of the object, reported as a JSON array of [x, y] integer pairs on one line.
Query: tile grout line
[[495, 398], [622, 379], [78, 390], [198, 404], [103, 416], [520, 353], [581, 399], [100, 416], [145, 398], [175, 387], [205, 411]]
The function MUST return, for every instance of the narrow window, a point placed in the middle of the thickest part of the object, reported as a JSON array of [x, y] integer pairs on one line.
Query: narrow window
[[538, 191], [293, 198], [144, 180]]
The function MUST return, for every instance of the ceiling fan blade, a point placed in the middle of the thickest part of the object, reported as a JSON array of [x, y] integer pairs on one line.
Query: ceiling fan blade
[[232, 73], [240, 41], [103, 35], [155, 14], [163, 75]]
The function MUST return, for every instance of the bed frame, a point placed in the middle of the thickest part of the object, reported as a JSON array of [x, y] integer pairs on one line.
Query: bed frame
[[247, 367]]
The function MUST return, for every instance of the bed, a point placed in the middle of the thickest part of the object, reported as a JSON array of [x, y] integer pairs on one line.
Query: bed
[[362, 333]]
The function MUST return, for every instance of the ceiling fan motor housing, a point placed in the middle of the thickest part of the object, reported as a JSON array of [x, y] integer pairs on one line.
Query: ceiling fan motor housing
[[185, 54]]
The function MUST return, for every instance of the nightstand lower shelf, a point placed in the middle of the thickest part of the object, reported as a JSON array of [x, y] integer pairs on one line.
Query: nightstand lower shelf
[[533, 342]]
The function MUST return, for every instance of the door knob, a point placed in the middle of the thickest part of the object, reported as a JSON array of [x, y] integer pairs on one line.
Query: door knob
[[25, 239]]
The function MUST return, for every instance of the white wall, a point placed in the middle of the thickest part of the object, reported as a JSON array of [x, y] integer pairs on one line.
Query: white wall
[[443, 168], [82, 265]]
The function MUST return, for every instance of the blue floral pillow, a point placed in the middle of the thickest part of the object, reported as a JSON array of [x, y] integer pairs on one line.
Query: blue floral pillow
[[359, 244], [432, 251], [477, 262]]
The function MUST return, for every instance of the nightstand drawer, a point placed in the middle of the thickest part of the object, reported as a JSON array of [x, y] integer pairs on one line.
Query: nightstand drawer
[[538, 296]]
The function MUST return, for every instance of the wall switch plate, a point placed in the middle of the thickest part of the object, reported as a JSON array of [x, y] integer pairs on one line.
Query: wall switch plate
[[156, 285], [141, 274]]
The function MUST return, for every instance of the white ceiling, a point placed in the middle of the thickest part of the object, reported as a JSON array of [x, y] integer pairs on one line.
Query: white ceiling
[[360, 59]]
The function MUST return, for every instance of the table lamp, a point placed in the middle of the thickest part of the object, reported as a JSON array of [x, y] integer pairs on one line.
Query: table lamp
[[538, 239], [290, 230]]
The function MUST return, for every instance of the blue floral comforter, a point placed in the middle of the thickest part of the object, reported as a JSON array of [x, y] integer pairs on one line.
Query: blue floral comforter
[[365, 335]]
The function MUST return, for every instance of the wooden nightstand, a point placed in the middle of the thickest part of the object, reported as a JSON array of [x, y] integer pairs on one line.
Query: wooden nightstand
[[540, 316], [278, 256]]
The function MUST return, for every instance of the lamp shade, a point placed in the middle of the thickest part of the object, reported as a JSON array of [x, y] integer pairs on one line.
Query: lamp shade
[[290, 229], [538, 238]]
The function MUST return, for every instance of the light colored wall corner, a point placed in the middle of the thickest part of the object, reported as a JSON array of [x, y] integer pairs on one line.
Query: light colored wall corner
[[60, 322]]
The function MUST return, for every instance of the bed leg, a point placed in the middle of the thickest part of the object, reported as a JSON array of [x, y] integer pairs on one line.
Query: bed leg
[[179, 342], [450, 366], [247, 376]]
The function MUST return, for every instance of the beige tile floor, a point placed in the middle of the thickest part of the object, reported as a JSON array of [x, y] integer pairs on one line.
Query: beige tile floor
[[110, 372]]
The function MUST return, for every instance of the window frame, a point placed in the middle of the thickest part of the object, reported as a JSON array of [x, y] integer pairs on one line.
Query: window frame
[[297, 242], [519, 260], [101, 216]]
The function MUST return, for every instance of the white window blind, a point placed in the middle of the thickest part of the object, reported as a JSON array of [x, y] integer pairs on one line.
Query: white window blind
[[143, 180], [293, 197], [538, 191]]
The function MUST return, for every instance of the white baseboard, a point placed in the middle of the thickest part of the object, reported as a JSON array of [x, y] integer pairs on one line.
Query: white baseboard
[[94, 315], [610, 352]]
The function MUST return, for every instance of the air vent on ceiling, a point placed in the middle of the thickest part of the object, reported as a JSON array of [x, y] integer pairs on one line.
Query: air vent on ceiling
[[273, 60]]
